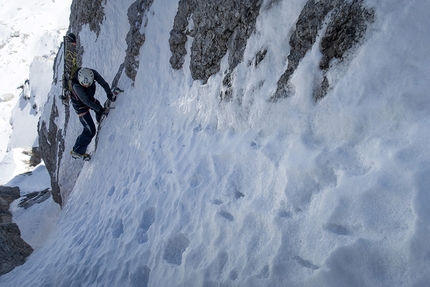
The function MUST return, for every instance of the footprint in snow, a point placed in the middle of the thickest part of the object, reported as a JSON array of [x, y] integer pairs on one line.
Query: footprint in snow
[[337, 229], [175, 247], [305, 263], [118, 229], [147, 220], [111, 191], [140, 278], [226, 215]]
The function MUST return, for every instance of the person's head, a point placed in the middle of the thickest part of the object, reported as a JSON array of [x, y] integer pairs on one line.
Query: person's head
[[85, 77]]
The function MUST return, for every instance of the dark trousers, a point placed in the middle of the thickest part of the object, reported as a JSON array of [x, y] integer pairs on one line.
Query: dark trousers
[[84, 139]]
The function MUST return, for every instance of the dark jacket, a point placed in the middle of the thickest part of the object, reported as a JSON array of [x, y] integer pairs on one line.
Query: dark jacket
[[83, 98]]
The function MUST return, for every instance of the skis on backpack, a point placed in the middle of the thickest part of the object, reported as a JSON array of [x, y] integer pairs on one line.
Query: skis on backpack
[[70, 64]]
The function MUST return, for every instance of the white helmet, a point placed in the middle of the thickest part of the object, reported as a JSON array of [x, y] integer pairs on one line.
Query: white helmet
[[85, 77]]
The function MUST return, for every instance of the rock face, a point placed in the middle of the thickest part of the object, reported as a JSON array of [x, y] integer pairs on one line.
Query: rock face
[[216, 27], [51, 142], [347, 24], [7, 195], [136, 17], [220, 26], [13, 250], [35, 157], [87, 12]]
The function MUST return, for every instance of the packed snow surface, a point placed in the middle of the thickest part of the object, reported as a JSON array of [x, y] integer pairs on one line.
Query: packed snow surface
[[185, 190]]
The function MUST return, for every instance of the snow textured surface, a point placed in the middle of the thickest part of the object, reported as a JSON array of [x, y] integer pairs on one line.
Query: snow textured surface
[[185, 190]]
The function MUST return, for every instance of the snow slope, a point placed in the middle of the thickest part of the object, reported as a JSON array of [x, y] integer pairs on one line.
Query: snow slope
[[30, 35], [185, 190]]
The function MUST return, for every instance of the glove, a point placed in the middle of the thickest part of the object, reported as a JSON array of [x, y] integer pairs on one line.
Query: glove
[[102, 112], [111, 97]]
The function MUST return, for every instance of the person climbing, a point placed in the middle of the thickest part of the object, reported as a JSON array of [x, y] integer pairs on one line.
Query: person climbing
[[83, 91]]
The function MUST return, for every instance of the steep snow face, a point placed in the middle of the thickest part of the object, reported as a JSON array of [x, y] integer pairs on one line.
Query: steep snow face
[[188, 190]]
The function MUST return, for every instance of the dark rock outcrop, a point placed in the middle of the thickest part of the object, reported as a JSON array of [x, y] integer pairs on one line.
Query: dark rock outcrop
[[63, 170], [35, 156], [307, 26], [220, 26], [136, 17], [87, 12], [51, 144], [217, 27], [343, 33], [346, 29], [13, 249], [348, 21], [9, 193]]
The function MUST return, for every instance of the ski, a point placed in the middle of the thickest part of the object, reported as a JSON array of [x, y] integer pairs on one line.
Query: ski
[[107, 106]]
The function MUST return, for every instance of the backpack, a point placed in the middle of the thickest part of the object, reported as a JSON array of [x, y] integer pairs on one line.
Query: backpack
[[70, 66]]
